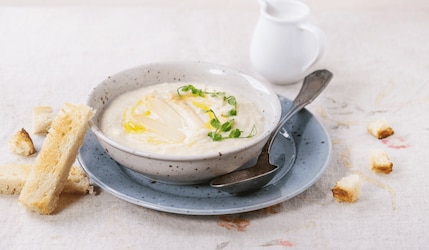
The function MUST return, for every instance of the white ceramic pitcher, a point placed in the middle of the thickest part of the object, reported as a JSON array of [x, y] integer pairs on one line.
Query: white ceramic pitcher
[[284, 44]]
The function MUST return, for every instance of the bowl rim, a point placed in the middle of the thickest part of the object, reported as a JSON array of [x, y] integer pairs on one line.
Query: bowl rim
[[180, 158]]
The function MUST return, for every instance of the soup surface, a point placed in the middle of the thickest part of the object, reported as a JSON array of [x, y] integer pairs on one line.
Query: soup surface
[[181, 119]]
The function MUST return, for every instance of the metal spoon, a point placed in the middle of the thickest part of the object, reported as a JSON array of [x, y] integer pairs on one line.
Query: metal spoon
[[254, 178]]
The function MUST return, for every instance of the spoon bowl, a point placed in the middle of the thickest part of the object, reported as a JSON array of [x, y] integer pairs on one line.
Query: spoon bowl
[[254, 178], [248, 180], [245, 180]]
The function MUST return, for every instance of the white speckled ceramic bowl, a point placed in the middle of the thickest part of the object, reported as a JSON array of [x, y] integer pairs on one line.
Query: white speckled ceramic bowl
[[185, 169]]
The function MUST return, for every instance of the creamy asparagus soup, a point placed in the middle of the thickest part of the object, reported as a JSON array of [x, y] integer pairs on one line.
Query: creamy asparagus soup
[[181, 119]]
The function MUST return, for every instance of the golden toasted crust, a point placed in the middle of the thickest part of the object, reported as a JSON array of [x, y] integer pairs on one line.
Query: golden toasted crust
[[380, 129], [380, 161], [347, 189], [77, 182], [21, 143], [342, 195], [47, 179], [13, 177], [42, 119]]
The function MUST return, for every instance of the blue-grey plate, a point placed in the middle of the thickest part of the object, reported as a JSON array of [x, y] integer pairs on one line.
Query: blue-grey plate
[[313, 150]]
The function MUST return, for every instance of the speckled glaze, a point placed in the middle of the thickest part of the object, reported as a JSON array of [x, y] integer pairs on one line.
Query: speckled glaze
[[313, 151], [184, 169]]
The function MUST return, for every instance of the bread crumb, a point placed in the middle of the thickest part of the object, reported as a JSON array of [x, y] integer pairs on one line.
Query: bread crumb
[[21, 143], [347, 189], [42, 119], [380, 161], [380, 129]]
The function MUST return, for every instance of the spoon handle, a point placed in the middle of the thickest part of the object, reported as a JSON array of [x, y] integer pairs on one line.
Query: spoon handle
[[312, 86]]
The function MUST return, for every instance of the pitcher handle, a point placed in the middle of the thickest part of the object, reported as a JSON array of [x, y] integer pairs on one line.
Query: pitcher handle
[[320, 38]]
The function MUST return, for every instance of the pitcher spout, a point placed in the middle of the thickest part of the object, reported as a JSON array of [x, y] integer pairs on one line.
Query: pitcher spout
[[264, 4], [283, 10]]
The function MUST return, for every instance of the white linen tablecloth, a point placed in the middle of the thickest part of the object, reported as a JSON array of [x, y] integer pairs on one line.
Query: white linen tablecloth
[[52, 52]]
